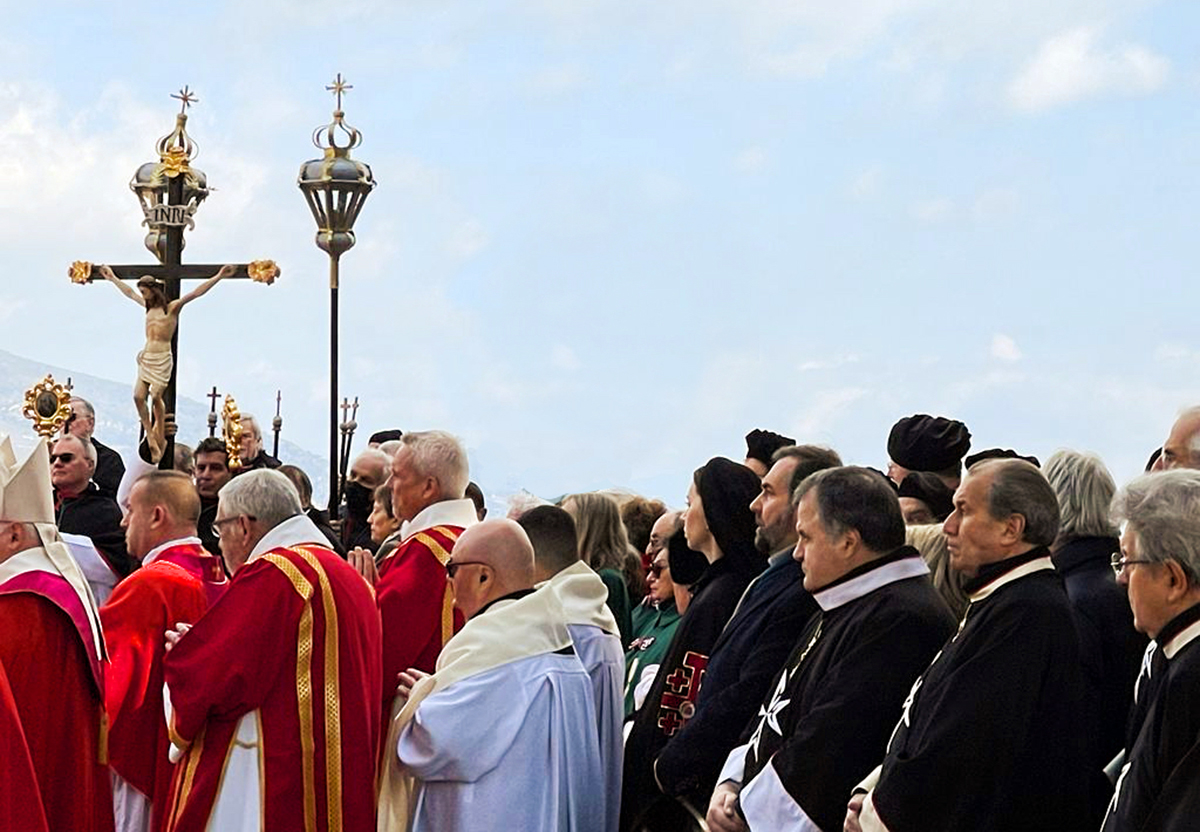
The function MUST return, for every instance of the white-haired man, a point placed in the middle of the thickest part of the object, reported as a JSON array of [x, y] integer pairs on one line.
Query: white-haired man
[[1182, 448], [254, 456], [109, 465], [272, 696], [429, 480], [1159, 563], [52, 651]]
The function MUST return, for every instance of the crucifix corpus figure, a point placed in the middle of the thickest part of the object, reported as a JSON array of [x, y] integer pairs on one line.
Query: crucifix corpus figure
[[155, 361]]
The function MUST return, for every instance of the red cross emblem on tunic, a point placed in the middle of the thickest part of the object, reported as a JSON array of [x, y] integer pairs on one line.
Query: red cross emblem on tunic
[[679, 699]]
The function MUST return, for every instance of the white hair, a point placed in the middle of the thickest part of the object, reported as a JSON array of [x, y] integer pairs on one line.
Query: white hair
[[1163, 510], [440, 455], [266, 495], [391, 446], [1085, 489], [89, 450], [248, 419]]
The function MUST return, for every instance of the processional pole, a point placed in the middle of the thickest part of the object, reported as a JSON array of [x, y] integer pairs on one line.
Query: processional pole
[[336, 187]]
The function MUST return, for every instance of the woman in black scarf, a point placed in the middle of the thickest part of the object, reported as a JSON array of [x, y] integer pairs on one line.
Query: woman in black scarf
[[718, 523]]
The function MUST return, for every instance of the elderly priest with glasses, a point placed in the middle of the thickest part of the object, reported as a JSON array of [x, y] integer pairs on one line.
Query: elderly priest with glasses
[[272, 697]]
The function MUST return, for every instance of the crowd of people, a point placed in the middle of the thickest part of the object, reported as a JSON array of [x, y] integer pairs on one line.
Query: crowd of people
[[961, 642]]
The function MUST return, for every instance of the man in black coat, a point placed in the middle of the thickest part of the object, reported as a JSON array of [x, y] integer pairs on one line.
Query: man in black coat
[[754, 644], [992, 737], [1159, 785], [828, 715], [79, 506], [109, 465]]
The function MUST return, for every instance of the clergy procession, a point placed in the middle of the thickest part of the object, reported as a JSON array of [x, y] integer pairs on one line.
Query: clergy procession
[[965, 641]]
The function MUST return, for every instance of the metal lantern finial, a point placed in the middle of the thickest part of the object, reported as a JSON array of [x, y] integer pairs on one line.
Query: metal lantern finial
[[150, 182], [335, 185]]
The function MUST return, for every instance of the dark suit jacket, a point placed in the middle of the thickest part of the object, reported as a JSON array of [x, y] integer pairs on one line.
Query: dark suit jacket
[[747, 656]]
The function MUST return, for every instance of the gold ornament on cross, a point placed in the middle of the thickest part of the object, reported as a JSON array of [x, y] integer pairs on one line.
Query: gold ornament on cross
[[263, 271]]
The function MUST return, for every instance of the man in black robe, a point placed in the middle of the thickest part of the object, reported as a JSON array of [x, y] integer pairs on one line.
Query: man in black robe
[[210, 475], [830, 710], [1159, 785], [990, 739]]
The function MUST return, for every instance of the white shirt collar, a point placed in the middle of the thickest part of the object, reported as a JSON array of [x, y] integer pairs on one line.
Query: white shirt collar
[[442, 513], [291, 532], [855, 588], [153, 554], [1036, 565], [1181, 640]]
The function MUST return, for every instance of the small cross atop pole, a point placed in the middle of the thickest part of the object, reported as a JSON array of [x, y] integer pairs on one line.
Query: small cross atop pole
[[212, 412]]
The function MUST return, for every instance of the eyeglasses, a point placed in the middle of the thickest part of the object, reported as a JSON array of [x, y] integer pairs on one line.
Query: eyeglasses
[[1119, 563], [656, 569], [65, 459], [452, 567], [217, 524]]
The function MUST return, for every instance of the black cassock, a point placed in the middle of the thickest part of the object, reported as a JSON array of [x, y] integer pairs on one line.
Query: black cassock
[[832, 707], [992, 737], [1159, 787]]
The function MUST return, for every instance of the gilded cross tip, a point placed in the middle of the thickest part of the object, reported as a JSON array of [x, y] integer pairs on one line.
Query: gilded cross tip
[[338, 88], [187, 97]]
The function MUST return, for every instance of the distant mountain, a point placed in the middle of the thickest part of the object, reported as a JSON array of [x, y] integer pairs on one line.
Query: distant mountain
[[116, 421]]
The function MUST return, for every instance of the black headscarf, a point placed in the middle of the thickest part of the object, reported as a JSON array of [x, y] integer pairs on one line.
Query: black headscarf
[[726, 490], [929, 489], [762, 444]]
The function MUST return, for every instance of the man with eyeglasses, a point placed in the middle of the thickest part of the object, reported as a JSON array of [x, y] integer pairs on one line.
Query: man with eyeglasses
[[991, 737], [79, 506], [503, 734], [1159, 563], [273, 694]]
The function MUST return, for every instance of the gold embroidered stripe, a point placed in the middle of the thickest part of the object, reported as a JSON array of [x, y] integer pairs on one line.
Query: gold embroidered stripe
[[438, 551], [189, 774], [447, 613], [333, 698], [304, 650], [449, 532]]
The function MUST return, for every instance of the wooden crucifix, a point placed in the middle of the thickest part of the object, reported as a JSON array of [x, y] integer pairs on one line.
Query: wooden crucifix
[[159, 285]]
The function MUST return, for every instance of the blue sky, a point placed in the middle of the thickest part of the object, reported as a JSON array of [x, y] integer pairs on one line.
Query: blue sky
[[609, 238]]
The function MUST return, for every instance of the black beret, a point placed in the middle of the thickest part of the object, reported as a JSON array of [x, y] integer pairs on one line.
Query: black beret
[[930, 490], [928, 443], [761, 444], [1000, 453], [381, 436]]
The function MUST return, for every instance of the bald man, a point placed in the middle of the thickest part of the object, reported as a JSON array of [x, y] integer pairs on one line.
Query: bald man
[[506, 727], [177, 583]]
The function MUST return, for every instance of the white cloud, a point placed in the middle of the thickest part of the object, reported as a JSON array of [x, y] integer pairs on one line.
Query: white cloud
[[866, 184], [819, 418], [1174, 352], [828, 363], [1005, 348], [564, 358], [1075, 65], [996, 203], [750, 160], [932, 210]]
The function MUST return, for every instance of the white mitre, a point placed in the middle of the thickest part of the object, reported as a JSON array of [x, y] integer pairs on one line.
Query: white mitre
[[26, 496]]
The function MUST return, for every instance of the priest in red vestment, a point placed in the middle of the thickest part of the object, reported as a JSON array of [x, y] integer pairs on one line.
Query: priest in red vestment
[[20, 798], [429, 479], [272, 696], [52, 651], [178, 581]]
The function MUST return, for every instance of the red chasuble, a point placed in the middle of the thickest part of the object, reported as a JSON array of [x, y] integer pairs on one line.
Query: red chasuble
[[57, 689], [177, 586], [416, 604], [20, 799], [289, 657]]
